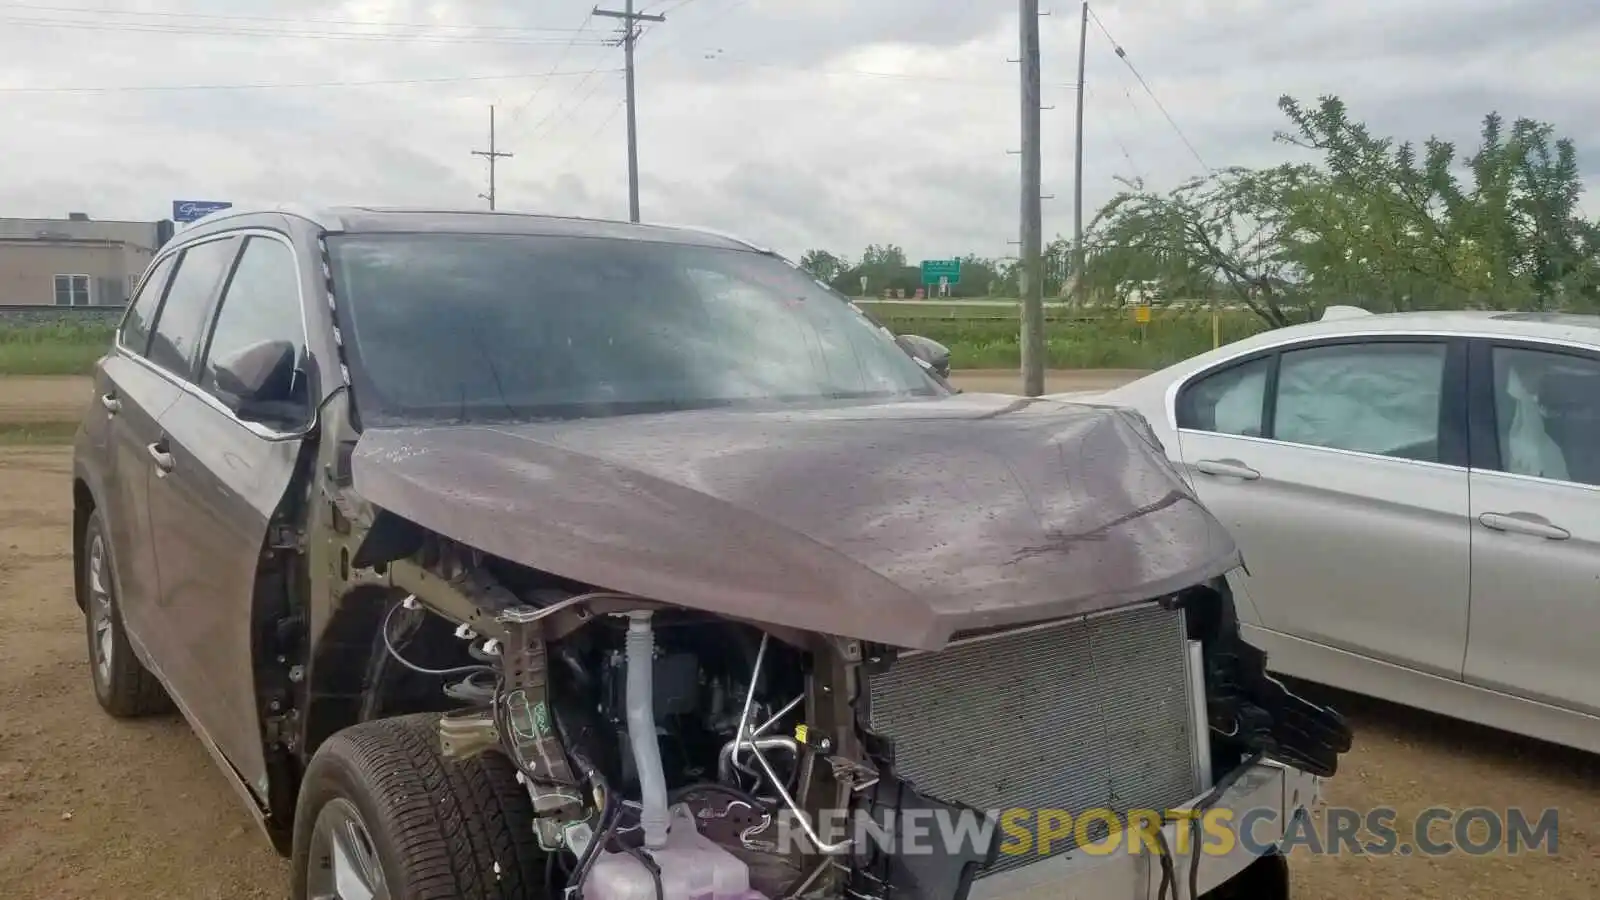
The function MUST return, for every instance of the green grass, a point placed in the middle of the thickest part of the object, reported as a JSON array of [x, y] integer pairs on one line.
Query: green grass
[[976, 337], [989, 309], [1113, 341], [53, 349], [20, 434]]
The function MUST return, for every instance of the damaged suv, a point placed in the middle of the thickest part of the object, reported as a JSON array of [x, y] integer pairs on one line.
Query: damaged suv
[[501, 556]]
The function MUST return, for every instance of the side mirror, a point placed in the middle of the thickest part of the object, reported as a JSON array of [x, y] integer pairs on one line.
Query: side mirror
[[930, 351], [257, 382]]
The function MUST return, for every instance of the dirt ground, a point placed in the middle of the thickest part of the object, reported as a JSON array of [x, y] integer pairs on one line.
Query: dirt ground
[[42, 399], [90, 807], [1056, 381]]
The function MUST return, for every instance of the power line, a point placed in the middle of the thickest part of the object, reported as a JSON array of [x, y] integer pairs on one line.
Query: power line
[[556, 65], [1123, 55], [1116, 137], [119, 89], [719, 56], [568, 107], [676, 36], [587, 139], [373, 23], [676, 6], [214, 31]]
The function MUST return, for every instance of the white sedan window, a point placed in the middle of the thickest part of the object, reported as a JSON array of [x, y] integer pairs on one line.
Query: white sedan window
[[1547, 413], [1229, 401], [1374, 398]]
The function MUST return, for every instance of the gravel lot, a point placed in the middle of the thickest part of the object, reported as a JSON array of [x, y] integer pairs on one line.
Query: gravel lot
[[95, 808]]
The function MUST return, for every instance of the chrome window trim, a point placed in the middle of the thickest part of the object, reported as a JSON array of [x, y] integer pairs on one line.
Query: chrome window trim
[[1363, 454], [1170, 400], [1537, 479], [194, 389]]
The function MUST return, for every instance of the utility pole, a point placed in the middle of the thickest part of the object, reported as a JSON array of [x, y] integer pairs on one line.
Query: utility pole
[[1032, 214], [630, 34], [1078, 255], [493, 154]]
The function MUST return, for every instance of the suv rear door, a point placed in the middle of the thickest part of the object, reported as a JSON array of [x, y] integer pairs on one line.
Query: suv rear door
[[229, 469], [131, 395]]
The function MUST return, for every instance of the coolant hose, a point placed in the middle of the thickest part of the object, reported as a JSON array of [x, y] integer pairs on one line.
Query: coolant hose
[[640, 702]]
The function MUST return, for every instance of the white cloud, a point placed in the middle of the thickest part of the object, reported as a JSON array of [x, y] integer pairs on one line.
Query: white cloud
[[818, 123]]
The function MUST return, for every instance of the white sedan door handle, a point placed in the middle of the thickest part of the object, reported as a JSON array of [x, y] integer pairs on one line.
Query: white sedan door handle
[[1227, 468], [1524, 523]]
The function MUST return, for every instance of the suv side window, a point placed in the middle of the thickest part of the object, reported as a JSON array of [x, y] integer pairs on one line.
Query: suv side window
[[180, 325], [1547, 414], [136, 327], [260, 305], [1232, 401], [1380, 397]]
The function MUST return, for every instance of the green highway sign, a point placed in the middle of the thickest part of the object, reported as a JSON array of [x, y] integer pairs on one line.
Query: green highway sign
[[935, 269]]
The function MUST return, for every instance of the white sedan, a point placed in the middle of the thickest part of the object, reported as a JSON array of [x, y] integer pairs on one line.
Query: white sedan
[[1417, 497]]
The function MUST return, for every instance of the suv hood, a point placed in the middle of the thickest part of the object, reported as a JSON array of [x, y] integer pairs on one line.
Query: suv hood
[[902, 523]]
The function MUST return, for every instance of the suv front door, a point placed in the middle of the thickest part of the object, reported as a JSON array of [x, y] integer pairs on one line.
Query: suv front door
[[1340, 469], [1536, 518], [230, 466]]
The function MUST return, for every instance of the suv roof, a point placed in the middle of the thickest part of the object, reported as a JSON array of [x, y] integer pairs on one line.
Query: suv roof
[[372, 219]]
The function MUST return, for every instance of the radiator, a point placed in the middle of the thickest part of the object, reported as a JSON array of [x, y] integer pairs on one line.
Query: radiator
[[1089, 714]]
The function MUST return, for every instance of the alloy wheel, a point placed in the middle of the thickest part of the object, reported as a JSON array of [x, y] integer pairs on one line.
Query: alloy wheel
[[343, 860], [100, 610]]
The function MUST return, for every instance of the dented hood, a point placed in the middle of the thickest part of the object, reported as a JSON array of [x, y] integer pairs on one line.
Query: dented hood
[[903, 523]]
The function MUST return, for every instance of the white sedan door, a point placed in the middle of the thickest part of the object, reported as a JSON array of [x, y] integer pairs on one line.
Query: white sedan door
[[1339, 466], [1536, 511]]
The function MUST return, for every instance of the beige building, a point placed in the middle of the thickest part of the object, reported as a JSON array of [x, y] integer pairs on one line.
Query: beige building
[[75, 261]]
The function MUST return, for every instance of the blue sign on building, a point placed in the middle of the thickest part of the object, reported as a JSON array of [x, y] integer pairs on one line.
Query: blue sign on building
[[190, 210]]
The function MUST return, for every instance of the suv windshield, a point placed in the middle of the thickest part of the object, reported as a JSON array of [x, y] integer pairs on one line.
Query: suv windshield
[[488, 326]]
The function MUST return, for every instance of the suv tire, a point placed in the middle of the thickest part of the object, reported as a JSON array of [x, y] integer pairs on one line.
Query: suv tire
[[430, 828], [122, 685]]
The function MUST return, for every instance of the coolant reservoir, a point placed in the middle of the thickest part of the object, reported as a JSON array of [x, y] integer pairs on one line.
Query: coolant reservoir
[[692, 867]]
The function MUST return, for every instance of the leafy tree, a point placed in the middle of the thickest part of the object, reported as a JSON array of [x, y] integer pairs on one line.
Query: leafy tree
[[1225, 235], [1383, 224], [822, 265], [883, 256]]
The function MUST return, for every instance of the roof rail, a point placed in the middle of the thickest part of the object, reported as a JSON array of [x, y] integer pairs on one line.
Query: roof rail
[[1335, 313]]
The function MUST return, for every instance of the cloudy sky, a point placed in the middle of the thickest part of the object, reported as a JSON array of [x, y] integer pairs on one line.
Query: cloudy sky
[[799, 123]]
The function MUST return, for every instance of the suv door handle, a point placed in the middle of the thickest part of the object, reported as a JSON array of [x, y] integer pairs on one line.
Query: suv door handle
[[1524, 523], [1227, 468], [111, 403], [163, 459]]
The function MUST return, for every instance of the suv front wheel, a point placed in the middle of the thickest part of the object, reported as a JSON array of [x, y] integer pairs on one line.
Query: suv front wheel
[[383, 814]]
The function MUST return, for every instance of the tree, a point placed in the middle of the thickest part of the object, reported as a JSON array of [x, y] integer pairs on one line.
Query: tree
[[1224, 235], [1374, 222], [822, 265]]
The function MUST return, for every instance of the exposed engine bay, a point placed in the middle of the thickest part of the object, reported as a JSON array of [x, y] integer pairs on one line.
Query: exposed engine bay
[[675, 754]]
